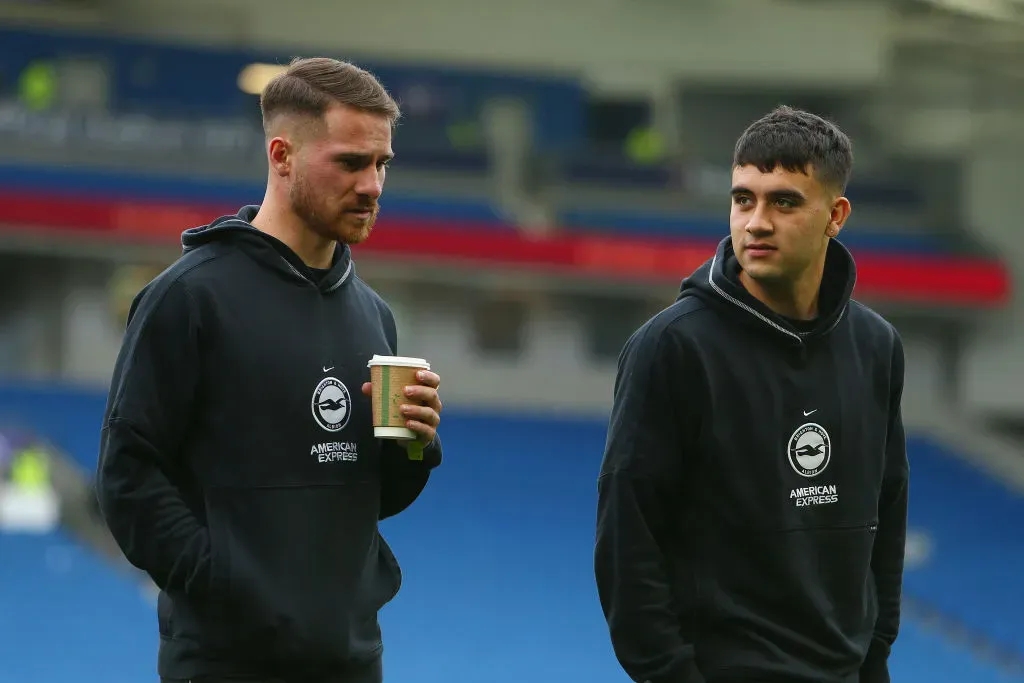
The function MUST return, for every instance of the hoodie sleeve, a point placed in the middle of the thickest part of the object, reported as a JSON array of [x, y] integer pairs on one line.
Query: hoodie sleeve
[[642, 466], [404, 475], [404, 471], [890, 541], [151, 397]]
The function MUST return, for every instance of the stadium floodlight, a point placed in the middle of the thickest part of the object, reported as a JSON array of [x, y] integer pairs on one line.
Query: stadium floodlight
[[254, 77]]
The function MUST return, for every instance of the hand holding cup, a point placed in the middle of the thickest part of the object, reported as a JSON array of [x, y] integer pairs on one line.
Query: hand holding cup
[[406, 405]]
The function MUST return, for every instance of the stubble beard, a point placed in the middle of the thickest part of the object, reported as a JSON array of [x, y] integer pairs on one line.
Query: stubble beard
[[343, 228]]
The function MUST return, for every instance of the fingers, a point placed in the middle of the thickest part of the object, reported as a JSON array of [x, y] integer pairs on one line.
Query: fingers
[[428, 378], [424, 396], [423, 414], [424, 433], [367, 389]]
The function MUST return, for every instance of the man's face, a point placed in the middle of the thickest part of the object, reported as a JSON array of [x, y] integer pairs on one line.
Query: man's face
[[337, 173], [780, 223]]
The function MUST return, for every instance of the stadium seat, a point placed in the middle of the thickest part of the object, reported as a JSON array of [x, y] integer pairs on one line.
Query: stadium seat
[[497, 563], [68, 616]]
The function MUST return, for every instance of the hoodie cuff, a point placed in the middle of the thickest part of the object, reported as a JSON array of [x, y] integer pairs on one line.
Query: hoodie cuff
[[432, 453], [875, 668], [424, 455]]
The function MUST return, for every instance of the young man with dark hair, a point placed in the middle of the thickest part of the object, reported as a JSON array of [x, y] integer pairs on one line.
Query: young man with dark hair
[[238, 464], [752, 501]]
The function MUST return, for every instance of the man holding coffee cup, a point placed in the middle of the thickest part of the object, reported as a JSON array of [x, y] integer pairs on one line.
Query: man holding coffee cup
[[752, 501], [239, 467]]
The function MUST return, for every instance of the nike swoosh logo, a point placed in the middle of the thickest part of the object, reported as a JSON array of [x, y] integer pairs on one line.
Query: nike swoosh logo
[[328, 369], [810, 412]]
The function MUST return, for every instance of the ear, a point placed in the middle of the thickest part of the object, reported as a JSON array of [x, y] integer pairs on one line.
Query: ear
[[837, 219], [280, 155]]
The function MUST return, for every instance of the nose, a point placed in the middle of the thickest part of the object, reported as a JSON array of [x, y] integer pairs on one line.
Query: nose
[[370, 182], [759, 224]]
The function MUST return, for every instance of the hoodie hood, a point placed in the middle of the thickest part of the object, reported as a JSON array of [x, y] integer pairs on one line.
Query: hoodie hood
[[717, 281], [237, 230]]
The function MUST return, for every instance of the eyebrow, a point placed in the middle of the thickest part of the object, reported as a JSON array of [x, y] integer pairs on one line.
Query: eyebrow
[[360, 157], [775, 195]]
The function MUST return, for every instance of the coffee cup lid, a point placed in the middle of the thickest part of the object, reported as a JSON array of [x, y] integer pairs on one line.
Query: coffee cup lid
[[401, 361]]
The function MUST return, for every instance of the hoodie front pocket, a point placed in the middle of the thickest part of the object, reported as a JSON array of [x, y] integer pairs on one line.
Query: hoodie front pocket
[[809, 591], [298, 563]]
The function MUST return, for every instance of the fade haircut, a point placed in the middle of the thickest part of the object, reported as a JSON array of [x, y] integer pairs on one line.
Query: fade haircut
[[310, 85], [794, 140]]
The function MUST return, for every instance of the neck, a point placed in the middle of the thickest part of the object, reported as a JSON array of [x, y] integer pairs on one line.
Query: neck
[[273, 219], [796, 300]]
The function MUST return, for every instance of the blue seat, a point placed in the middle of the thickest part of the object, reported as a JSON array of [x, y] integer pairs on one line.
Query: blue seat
[[66, 615], [497, 563]]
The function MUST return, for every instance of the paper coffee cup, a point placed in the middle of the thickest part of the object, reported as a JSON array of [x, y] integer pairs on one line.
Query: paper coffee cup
[[389, 376]]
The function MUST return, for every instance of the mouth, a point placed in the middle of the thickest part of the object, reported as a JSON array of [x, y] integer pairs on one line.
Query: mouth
[[361, 214], [759, 249]]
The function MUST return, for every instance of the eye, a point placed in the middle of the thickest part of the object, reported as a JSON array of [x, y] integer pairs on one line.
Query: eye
[[741, 200], [786, 203]]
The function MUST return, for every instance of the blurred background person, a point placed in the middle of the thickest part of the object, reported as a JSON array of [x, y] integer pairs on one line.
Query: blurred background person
[[560, 168]]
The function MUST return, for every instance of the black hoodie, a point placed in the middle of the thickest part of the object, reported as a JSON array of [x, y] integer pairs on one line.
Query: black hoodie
[[238, 465], [753, 493]]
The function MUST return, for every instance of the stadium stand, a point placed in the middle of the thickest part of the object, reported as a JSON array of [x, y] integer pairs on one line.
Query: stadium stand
[[525, 606], [177, 122], [924, 656], [978, 551], [69, 615], [498, 580]]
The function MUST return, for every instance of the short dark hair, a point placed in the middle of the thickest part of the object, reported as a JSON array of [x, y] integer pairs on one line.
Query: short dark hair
[[310, 85], [795, 139]]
